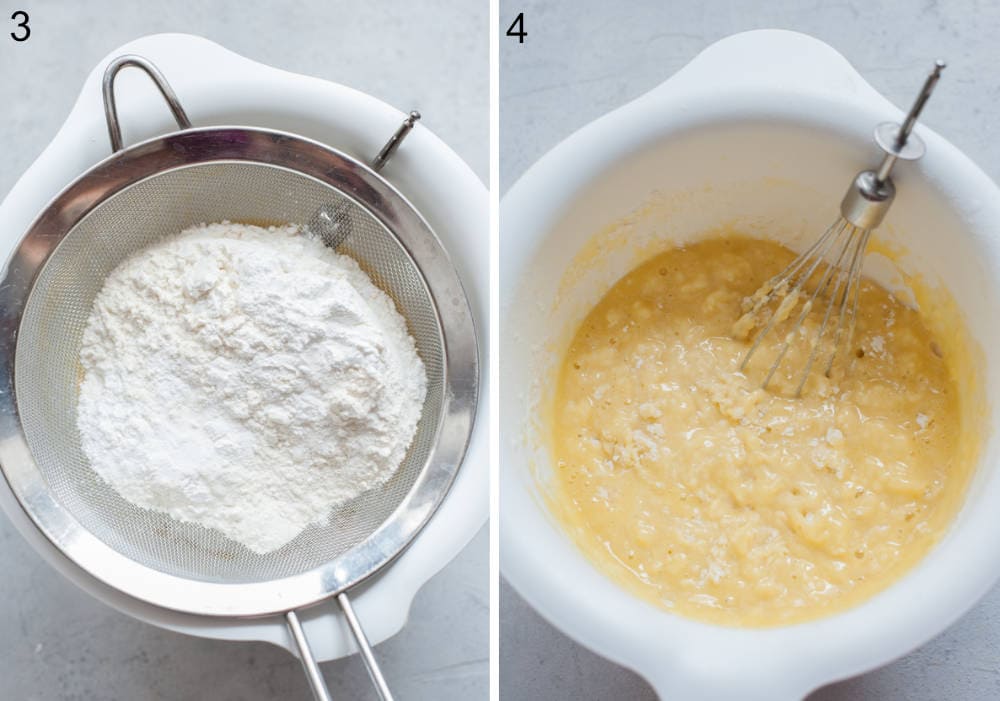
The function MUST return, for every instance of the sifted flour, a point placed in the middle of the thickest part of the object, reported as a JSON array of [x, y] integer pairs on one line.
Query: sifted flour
[[246, 379]]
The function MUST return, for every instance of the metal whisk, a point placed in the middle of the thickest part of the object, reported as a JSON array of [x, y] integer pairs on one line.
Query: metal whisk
[[836, 257]]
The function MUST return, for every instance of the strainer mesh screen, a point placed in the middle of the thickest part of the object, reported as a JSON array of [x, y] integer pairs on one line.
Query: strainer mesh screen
[[48, 370]]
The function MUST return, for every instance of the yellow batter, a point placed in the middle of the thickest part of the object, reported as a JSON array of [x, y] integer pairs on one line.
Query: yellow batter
[[689, 484]]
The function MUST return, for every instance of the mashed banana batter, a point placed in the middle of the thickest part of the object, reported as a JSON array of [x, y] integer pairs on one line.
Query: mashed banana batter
[[723, 502]]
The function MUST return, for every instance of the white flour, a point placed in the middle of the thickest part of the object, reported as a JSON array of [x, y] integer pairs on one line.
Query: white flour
[[246, 379]]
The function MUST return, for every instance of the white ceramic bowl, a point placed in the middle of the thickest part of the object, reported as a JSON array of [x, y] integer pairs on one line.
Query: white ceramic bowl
[[217, 87], [764, 130]]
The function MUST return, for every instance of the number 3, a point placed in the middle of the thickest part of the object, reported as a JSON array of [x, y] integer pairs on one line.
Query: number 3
[[23, 16]]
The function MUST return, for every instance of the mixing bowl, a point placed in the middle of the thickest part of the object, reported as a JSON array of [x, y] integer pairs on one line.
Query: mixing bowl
[[760, 132], [218, 87]]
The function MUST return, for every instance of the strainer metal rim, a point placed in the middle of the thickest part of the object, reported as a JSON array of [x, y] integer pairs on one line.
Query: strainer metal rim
[[351, 178]]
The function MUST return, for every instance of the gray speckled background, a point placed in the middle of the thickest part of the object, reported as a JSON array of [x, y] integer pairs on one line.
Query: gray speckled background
[[582, 59], [57, 643]]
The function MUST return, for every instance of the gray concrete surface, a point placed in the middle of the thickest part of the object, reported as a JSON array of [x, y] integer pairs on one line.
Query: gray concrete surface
[[583, 58], [56, 643]]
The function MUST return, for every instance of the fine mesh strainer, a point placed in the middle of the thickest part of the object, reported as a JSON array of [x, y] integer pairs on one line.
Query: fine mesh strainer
[[156, 189]]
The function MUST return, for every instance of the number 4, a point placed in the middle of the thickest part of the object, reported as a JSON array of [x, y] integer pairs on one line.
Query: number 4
[[518, 24]]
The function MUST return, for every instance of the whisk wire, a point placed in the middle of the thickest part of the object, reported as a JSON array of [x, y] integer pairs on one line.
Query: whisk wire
[[807, 307], [857, 290], [842, 277], [771, 287], [780, 282], [853, 282]]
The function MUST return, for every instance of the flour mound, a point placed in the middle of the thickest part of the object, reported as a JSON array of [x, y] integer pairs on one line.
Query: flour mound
[[247, 380]]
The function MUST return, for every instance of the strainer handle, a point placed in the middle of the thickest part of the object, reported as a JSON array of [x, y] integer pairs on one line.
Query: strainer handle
[[313, 673], [108, 89], [371, 664]]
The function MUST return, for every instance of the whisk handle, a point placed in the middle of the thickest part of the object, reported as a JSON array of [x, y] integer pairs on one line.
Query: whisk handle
[[898, 141], [918, 104]]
